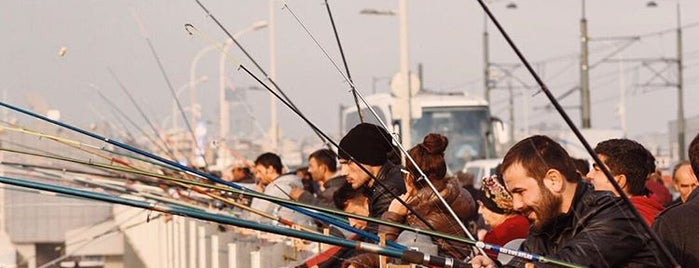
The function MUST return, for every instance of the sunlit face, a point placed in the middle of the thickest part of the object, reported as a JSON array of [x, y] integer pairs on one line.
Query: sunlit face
[[355, 175], [358, 206], [238, 174], [685, 181], [317, 171], [531, 198], [265, 174], [598, 179], [490, 218]]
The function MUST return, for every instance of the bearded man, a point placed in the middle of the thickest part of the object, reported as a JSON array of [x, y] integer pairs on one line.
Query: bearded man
[[569, 220]]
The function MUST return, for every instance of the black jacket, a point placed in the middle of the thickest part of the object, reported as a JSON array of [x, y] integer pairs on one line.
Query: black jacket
[[325, 197], [678, 228], [599, 231], [380, 197]]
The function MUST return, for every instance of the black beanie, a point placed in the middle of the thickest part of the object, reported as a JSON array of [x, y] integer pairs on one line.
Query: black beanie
[[367, 144]]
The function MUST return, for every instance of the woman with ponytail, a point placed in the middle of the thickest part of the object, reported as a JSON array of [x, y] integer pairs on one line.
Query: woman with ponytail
[[429, 157]]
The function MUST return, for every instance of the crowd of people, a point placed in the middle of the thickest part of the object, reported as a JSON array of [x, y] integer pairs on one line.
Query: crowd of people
[[541, 201]]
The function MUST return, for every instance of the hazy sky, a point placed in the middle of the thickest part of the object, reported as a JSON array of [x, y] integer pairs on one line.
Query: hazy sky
[[445, 36]]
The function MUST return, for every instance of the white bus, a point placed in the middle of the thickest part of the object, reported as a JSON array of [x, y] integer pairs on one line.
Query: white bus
[[464, 119]]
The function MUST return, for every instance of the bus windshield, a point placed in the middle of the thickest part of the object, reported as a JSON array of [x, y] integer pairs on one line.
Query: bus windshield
[[468, 130]]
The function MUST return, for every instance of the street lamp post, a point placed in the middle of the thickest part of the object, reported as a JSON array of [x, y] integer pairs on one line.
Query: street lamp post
[[223, 105], [273, 122], [406, 123], [405, 99], [224, 109], [192, 82]]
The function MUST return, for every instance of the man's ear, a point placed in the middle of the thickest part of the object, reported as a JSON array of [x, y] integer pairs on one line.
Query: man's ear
[[554, 181], [621, 180]]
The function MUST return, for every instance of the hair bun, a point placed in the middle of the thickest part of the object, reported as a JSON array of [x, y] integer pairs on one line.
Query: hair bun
[[435, 143]]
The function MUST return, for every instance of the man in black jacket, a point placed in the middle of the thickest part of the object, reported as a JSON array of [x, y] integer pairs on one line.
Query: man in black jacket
[[678, 226], [322, 165], [569, 220], [367, 145]]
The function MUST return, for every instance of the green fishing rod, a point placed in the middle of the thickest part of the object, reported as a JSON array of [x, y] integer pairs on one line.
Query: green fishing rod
[[431, 233], [181, 183], [198, 173], [80, 146], [403, 254]]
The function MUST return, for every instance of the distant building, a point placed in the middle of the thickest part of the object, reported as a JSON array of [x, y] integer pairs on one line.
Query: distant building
[[691, 125]]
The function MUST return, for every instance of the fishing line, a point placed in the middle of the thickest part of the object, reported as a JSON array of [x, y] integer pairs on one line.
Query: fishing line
[[579, 135]]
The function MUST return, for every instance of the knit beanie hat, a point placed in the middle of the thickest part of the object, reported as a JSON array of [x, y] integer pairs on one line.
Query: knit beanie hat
[[367, 144], [495, 197]]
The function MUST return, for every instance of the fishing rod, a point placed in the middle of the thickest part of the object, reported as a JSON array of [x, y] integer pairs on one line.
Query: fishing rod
[[393, 139], [579, 135], [279, 219], [259, 68], [74, 144], [142, 113], [172, 89], [275, 218], [125, 130], [128, 119], [191, 29], [89, 240], [344, 61], [497, 248], [195, 172], [78, 145], [403, 254], [61, 169], [124, 163]]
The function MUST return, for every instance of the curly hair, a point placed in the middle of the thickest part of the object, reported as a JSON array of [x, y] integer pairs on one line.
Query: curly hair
[[630, 158], [429, 157]]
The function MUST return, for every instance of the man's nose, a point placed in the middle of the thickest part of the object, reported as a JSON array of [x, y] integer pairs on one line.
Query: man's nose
[[517, 203]]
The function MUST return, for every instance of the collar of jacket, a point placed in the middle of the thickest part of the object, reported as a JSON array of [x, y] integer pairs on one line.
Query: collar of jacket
[[387, 167], [693, 195]]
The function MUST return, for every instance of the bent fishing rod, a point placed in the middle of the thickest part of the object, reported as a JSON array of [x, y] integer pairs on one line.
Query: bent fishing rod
[[195, 172], [128, 119], [171, 88], [80, 146], [259, 68], [400, 146], [33, 167], [191, 29], [77, 145], [344, 61], [252, 194], [169, 150], [578, 134], [403, 254], [89, 240]]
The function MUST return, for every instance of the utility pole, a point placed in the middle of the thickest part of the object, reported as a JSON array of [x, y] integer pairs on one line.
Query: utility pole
[[680, 91], [584, 72], [511, 131], [486, 61]]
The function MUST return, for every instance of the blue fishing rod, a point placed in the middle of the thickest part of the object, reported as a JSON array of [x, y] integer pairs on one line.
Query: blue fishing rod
[[403, 254], [197, 173], [181, 182]]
